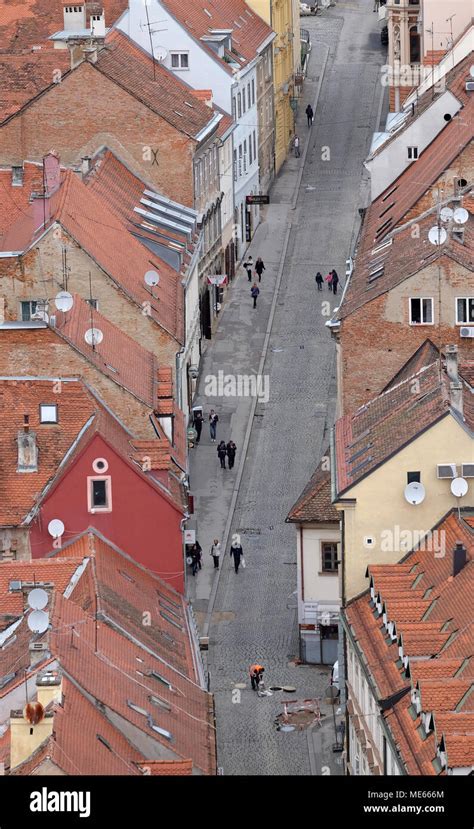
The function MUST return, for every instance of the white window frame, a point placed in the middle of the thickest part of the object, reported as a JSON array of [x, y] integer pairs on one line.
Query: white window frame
[[466, 299], [421, 300], [108, 493], [44, 406], [30, 302], [180, 67]]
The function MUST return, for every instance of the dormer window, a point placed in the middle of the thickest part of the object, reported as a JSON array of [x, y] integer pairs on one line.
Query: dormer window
[[48, 413]]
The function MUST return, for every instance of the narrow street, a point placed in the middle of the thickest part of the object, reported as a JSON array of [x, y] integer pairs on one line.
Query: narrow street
[[252, 615]]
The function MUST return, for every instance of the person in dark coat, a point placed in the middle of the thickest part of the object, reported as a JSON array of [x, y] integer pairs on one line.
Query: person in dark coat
[[248, 265], [222, 451], [231, 450], [237, 553], [334, 281], [254, 290], [319, 281], [198, 425], [309, 114], [196, 557], [259, 268], [213, 419]]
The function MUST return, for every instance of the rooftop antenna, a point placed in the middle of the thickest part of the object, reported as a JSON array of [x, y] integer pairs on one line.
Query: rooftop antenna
[[431, 32], [450, 21]]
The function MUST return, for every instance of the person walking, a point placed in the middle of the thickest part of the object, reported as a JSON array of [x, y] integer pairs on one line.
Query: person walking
[[213, 419], [222, 451], [328, 279], [319, 281], [237, 553], [334, 281], [309, 114], [255, 290], [231, 450], [196, 558], [215, 552], [255, 673], [248, 265], [296, 145], [198, 424], [259, 268]]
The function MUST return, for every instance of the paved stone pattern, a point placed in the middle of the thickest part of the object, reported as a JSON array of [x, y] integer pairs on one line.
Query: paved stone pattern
[[291, 431]]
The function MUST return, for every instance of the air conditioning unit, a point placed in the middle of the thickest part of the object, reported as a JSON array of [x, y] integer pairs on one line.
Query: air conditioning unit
[[39, 646], [467, 331], [446, 470], [467, 470], [469, 86]]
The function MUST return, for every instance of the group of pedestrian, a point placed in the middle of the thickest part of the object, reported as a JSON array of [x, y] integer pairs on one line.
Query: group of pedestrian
[[332, 280], [226, 450], [198, 420], [236, 553], [259, 267]]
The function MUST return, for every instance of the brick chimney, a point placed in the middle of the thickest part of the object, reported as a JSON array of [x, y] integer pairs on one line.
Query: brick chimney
[[27, 449], [52, 173], [459, 557]]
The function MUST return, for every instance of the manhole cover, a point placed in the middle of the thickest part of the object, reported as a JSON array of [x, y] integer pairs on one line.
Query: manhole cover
[[273, 688], [290, 689], [240, 685]]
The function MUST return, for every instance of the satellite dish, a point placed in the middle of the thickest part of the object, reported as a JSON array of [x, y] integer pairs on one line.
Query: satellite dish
[[38, 621], [93, 336], [461, 216], [160, 52], [64, 301], [414, 493], [459, 487], [56, 528], [152, 278], [437, 235], [446, 214], [37, 598]]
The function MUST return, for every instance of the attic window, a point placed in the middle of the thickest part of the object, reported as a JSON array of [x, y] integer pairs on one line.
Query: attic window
[[17, 176], [137, 708], [161, 703], [171, 621], [103, 741], [126, 576], [169, 610], [208, 13], [161, 679], [166, 734], [48, 413]]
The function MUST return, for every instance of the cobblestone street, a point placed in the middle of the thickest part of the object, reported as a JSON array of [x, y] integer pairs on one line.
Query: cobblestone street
[[252, 615]]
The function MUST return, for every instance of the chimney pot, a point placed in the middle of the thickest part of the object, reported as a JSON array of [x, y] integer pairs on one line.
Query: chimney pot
[[459, 557], [452, 363]]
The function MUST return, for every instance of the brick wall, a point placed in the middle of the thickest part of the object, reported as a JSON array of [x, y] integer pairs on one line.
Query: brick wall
[[443, 187], [87, 111], [41, 352]]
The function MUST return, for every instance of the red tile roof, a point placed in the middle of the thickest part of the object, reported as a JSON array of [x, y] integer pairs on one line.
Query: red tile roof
[[129, 66], [23, 77], [390, 421], [249, 30], [315, 502]]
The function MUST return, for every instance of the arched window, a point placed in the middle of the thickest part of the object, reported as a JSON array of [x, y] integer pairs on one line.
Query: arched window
[[414, 45]]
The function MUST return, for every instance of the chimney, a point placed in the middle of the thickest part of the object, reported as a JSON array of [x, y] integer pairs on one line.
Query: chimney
[[452, 363], [27, 449], [49, 687], [85, 165], [52, 173], [74, 18], [90, 52], [26, 737], [98, 24], [455, 397], [459, 557]]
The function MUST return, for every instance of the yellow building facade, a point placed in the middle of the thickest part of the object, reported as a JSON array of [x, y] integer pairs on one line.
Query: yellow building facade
[[283, 17]]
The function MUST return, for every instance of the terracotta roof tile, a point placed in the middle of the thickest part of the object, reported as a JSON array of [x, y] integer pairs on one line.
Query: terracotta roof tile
[[23, 77], [315, 502]]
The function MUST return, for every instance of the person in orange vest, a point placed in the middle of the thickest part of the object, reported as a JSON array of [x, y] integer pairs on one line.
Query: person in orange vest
[[255, 673]]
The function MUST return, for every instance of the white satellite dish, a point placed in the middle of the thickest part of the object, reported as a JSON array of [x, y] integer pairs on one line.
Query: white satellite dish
[[152, 278], [37, 598], [414, 493], [93, 336], [38, 621], [437, 235], [459, 487], [64, 301], [460, 215], [446, 214], [56, 528], [159, 53]]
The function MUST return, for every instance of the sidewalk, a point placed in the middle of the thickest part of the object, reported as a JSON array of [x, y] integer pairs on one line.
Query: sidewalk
[[237, 350]]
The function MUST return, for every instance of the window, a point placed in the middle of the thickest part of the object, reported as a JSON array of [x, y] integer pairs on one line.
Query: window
[[244, 106], [48, 413], [240, 160], [245, 156], [464, 310], [254, 144], [161, 679], [179, 60], [250, 153], [239, 105], [137, 708], [414, 45], [412, 153], [249, 97], [421, 311], [413, 477], [99, 494], [27, 310], [253, 88], [329, 563], [160, 703], [235, 165], [166, 734], [234, 108]]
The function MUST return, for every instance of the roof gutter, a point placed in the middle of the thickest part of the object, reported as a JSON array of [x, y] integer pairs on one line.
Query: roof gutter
[[271, 37], [210, 127]]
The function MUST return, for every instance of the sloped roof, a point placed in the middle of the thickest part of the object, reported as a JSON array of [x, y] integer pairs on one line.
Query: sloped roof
[[380, 428], [314, 504], [23, 77], [424, 356], [131, 67]]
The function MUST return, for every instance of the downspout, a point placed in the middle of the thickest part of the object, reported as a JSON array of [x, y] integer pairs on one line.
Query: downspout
[[302, 563]]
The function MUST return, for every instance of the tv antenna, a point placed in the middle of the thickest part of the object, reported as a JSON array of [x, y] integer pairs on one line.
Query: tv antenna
[[150, 33]]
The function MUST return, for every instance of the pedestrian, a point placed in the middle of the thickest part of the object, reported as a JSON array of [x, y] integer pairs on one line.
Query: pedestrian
[[376, 5], [255, 290], [237, 552], [196, 558], [296, 144], [309, 114], [334, 281], [215, 552], [328, 279], [259, 268], [213, 418], [222, 451], [231, 450], [248, 265], [319, 281], [255, 673], [198, 424], [198, 549]]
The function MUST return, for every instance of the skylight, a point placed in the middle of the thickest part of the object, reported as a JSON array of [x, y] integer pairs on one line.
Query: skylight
[[161, 679], [166, 734], [171, 621]]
